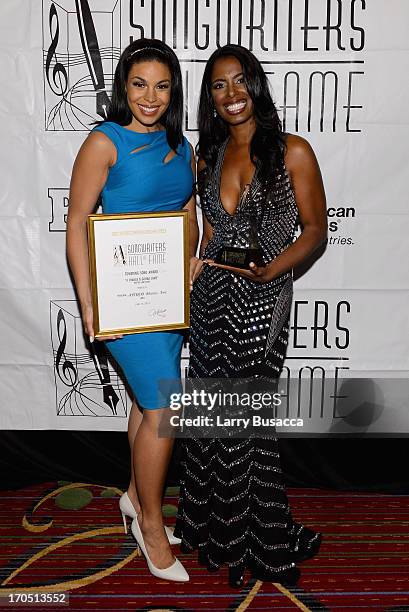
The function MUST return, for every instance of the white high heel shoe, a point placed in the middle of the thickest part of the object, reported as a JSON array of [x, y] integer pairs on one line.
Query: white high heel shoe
[[175, 572], [127, 509]]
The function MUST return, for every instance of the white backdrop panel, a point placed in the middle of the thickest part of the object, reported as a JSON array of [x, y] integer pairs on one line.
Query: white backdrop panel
[[350, 307]]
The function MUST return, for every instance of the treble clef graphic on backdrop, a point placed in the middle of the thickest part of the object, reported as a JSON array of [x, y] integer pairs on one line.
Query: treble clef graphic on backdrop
[[66, 371], [59, 87], [90, 46]]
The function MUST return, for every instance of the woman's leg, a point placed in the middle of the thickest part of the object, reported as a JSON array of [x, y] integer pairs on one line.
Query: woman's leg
[[151, 456], [135, 419]]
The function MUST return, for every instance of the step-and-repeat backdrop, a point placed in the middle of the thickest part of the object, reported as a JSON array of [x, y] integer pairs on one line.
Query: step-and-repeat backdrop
[[338, 71]]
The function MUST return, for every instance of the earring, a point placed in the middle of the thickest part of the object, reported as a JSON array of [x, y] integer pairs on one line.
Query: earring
[[214, 113]]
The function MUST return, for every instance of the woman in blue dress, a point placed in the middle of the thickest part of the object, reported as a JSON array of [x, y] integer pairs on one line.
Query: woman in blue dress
[[139, 160]]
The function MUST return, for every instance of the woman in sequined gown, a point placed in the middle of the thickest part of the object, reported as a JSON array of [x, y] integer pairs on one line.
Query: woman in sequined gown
[[233, 506]]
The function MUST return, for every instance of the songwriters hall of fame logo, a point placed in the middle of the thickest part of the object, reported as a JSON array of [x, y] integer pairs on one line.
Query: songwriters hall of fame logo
[[81, 47], [120, 255], [86, 382]]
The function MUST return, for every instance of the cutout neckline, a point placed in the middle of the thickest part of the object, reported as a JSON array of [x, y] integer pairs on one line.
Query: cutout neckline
[[243, 194], [141, 133]]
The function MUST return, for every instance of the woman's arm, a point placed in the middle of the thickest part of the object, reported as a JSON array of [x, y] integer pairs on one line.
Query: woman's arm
[[193, 227], [206, 234], [306, 180], [191, 207], [207, 227], [89, 174]]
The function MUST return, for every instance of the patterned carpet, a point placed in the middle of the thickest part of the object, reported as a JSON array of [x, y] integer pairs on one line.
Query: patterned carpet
[[69, 537]]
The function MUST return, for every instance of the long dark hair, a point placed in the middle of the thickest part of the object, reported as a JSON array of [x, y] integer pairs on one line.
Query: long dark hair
[[147, 50], [267, 144]]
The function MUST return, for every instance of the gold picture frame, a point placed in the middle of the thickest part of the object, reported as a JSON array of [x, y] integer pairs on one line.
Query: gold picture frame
[[139, 271]]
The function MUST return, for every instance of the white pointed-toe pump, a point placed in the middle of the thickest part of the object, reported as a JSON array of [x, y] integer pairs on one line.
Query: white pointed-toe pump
[[175, 572], [127, 509]]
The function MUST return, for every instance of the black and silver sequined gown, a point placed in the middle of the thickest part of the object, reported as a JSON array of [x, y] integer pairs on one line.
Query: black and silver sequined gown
[[233, 506]]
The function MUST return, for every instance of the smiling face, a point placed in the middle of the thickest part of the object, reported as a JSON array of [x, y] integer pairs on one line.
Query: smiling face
[[148, 92], [230, 96]]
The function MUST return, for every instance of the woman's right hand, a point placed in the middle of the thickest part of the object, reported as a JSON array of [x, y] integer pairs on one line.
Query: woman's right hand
[[88, 323]]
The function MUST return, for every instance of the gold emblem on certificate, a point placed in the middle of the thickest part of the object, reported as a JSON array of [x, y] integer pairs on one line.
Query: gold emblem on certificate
[[139, 269]]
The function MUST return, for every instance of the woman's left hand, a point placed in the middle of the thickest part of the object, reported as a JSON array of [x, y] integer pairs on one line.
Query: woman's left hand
[[196, 266], [258, 274]]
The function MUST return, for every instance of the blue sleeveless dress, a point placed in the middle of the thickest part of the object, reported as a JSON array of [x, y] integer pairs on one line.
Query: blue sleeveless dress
[[141, 181]]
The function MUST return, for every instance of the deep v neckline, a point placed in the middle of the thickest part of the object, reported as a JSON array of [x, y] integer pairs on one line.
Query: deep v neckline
[[243, 195]]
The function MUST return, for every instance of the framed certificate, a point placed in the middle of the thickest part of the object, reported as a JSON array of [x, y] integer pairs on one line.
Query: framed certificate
[[139, 270]]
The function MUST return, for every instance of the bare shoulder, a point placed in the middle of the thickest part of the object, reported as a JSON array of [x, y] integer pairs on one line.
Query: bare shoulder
[[298, 151], [99, 145], [99, 141]]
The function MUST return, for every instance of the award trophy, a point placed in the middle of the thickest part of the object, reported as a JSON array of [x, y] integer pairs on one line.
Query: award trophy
[[238, 253]]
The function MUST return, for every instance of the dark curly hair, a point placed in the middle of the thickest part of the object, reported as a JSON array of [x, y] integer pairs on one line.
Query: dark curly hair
[[145, 50], [267, 145]]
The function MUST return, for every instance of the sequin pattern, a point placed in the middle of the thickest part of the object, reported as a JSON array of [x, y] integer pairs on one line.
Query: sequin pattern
[[233, 505]]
